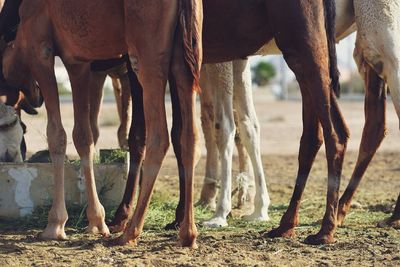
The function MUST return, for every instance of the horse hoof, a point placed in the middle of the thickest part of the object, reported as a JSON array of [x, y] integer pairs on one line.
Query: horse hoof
[[52, 234], [319, 239], [206, 204], [216, 222], [256, 217], [102, 229], [189, 244], [390, 223], [172, 226], [117, 228], [281, 232], [121, 218], [188, 236], [122, 241], [340, 219]]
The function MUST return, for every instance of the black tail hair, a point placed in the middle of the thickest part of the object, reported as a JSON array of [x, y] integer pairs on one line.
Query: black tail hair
[[330, 26]]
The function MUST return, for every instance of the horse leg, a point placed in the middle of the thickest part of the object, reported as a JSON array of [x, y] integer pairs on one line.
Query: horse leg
[[394, 220], [225, 135], [249, 130], [125, 112], [84, 83], [309, 61], [156, 145], [310, 143], [210, 188], [245, 178], [391, 73], [117, 88], [153, 49], [189, 154], [176, 132], [57, 141], [136, 142], [95, 100], [116, 84], [373, 134], [379, 47]]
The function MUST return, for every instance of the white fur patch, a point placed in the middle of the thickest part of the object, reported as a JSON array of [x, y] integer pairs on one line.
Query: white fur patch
[[10, 137], [23, 178]]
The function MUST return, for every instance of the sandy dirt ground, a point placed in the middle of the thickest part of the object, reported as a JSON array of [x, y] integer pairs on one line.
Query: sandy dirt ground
[[359, 242]]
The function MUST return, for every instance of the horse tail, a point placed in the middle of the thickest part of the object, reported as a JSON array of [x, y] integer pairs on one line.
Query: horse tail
[[330, 26], [191, 23]]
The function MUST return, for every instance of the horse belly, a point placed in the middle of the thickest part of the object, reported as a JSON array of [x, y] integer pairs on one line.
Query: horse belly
[[234, 29], [89, 29]]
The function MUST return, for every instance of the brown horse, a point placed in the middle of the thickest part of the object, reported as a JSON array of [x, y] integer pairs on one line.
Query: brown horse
[[167, 42], [235, 29]]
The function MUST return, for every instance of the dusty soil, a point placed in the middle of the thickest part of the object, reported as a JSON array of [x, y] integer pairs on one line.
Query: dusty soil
[[359, 242]]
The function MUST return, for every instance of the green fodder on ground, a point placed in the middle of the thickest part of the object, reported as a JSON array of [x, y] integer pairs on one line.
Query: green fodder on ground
[[359, 242]]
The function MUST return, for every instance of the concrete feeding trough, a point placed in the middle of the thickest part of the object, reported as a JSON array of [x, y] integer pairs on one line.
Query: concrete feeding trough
[[25, 186]]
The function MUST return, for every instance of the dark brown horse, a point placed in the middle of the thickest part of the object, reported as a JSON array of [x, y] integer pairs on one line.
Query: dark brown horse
[[162, 37], [304, 32]]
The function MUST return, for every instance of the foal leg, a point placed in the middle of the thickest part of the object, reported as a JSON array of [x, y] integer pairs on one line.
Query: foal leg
[[126, 107], [96, 99], [209, 190], [122, 132], [83, 82], [136, 142], [57, 141], [373, 134], [249, 130], [225, 135], [116, 84]]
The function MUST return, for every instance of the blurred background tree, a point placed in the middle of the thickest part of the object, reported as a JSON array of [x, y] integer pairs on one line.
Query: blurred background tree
[[263, 73]]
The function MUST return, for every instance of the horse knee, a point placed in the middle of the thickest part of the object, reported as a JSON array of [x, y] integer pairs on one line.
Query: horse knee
[[82, 137], [250, 124], [312, 140], [224, 134], [207, 114], [57, 140], [158, 142]]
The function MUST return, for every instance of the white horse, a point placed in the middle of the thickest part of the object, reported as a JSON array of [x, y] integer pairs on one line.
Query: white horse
[[377, 55], [220, 84]]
